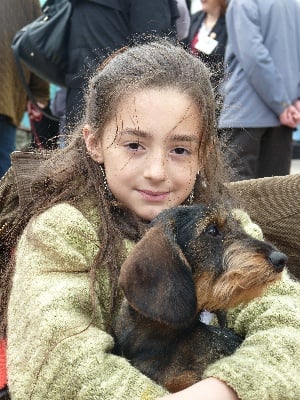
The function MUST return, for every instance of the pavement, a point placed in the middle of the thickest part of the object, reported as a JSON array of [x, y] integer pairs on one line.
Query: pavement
[[295, 167]]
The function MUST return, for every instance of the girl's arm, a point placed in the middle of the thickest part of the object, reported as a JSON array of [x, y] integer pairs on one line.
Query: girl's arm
[[56, 350], [267, 364]]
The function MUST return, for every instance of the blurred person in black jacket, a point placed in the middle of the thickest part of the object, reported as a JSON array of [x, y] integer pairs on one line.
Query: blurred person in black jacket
[[183, 22], [208, 36], [99, 27], [14, 14]]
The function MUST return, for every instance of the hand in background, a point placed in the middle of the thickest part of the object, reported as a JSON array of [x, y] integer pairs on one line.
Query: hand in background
[[297, 105], [291, 115], [33, 112]]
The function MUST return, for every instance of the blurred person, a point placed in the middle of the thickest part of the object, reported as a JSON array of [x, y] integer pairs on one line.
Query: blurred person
[[208, 36], [195, 5], [263, 84], [14, 14], [184, 20], [58, 108], [98, 28]]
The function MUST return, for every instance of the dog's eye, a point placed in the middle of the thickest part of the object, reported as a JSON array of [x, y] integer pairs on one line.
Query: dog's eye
[[213, 230]]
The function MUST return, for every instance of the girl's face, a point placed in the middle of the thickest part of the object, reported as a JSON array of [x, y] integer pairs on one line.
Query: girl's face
[[150, 150]]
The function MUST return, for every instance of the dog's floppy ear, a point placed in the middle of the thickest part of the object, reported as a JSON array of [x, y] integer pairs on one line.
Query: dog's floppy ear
[[157, 280]]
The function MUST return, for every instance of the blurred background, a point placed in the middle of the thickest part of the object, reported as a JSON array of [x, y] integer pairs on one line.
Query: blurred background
[[24, 133]]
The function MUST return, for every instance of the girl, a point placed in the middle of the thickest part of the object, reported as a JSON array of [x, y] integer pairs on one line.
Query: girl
[[147, 143]]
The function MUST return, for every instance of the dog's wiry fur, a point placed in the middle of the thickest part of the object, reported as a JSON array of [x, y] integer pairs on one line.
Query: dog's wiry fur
[[192, 258]]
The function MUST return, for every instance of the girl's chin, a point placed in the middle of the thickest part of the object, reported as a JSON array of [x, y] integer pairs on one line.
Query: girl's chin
[[150, 214]]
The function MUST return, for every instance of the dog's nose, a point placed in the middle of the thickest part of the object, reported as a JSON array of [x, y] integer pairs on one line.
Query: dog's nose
[[278, 260]]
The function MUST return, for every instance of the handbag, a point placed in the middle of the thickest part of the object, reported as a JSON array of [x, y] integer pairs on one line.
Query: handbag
[[42, 44]]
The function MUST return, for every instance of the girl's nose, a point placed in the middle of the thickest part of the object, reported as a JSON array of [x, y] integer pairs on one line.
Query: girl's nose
[[155, 168]]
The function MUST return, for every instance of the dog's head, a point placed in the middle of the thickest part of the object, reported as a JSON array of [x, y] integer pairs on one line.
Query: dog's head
[[194, 258]]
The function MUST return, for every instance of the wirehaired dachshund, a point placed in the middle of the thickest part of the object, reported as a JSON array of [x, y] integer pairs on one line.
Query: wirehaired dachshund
[[192, 258]]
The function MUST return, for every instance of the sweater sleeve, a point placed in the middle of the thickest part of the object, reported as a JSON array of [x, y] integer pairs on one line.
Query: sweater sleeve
[[267, 364], [56, 349]]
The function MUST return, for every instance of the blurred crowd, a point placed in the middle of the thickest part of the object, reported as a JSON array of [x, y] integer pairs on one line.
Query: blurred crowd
[[255, 78]]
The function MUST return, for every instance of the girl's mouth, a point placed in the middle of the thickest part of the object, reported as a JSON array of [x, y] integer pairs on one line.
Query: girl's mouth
[[153, 196]]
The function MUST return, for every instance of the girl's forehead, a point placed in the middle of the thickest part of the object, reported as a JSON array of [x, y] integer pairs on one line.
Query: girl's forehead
[[158, 105], [156, 114]]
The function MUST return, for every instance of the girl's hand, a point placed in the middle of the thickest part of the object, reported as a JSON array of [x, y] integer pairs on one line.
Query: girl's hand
[[208, 389]]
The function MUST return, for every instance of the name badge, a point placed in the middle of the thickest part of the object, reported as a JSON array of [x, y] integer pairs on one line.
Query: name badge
[[206, 45]]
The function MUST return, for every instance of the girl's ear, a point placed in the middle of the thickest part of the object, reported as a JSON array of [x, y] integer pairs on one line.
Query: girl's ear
[[94, 146]]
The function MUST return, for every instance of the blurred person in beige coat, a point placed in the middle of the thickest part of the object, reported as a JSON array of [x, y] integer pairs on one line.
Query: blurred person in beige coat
[[14, 14]]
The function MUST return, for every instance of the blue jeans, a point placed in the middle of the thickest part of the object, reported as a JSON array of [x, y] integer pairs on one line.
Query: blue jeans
[[7, 143]]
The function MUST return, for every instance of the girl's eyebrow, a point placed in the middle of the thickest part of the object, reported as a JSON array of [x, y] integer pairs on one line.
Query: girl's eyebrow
[[186, 138], [177, 137], [135, 132]]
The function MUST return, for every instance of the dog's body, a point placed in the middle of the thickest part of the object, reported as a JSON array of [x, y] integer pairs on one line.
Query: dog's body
[[192, 258], [175, 358]]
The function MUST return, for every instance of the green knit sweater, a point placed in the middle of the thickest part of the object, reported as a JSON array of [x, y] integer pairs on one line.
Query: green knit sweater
[[56, 352]]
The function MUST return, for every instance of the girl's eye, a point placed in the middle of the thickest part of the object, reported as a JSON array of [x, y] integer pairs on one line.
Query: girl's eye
[[134, 146], [180, 150]]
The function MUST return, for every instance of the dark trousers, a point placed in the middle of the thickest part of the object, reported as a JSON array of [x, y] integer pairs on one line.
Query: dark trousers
[[260, 152]]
